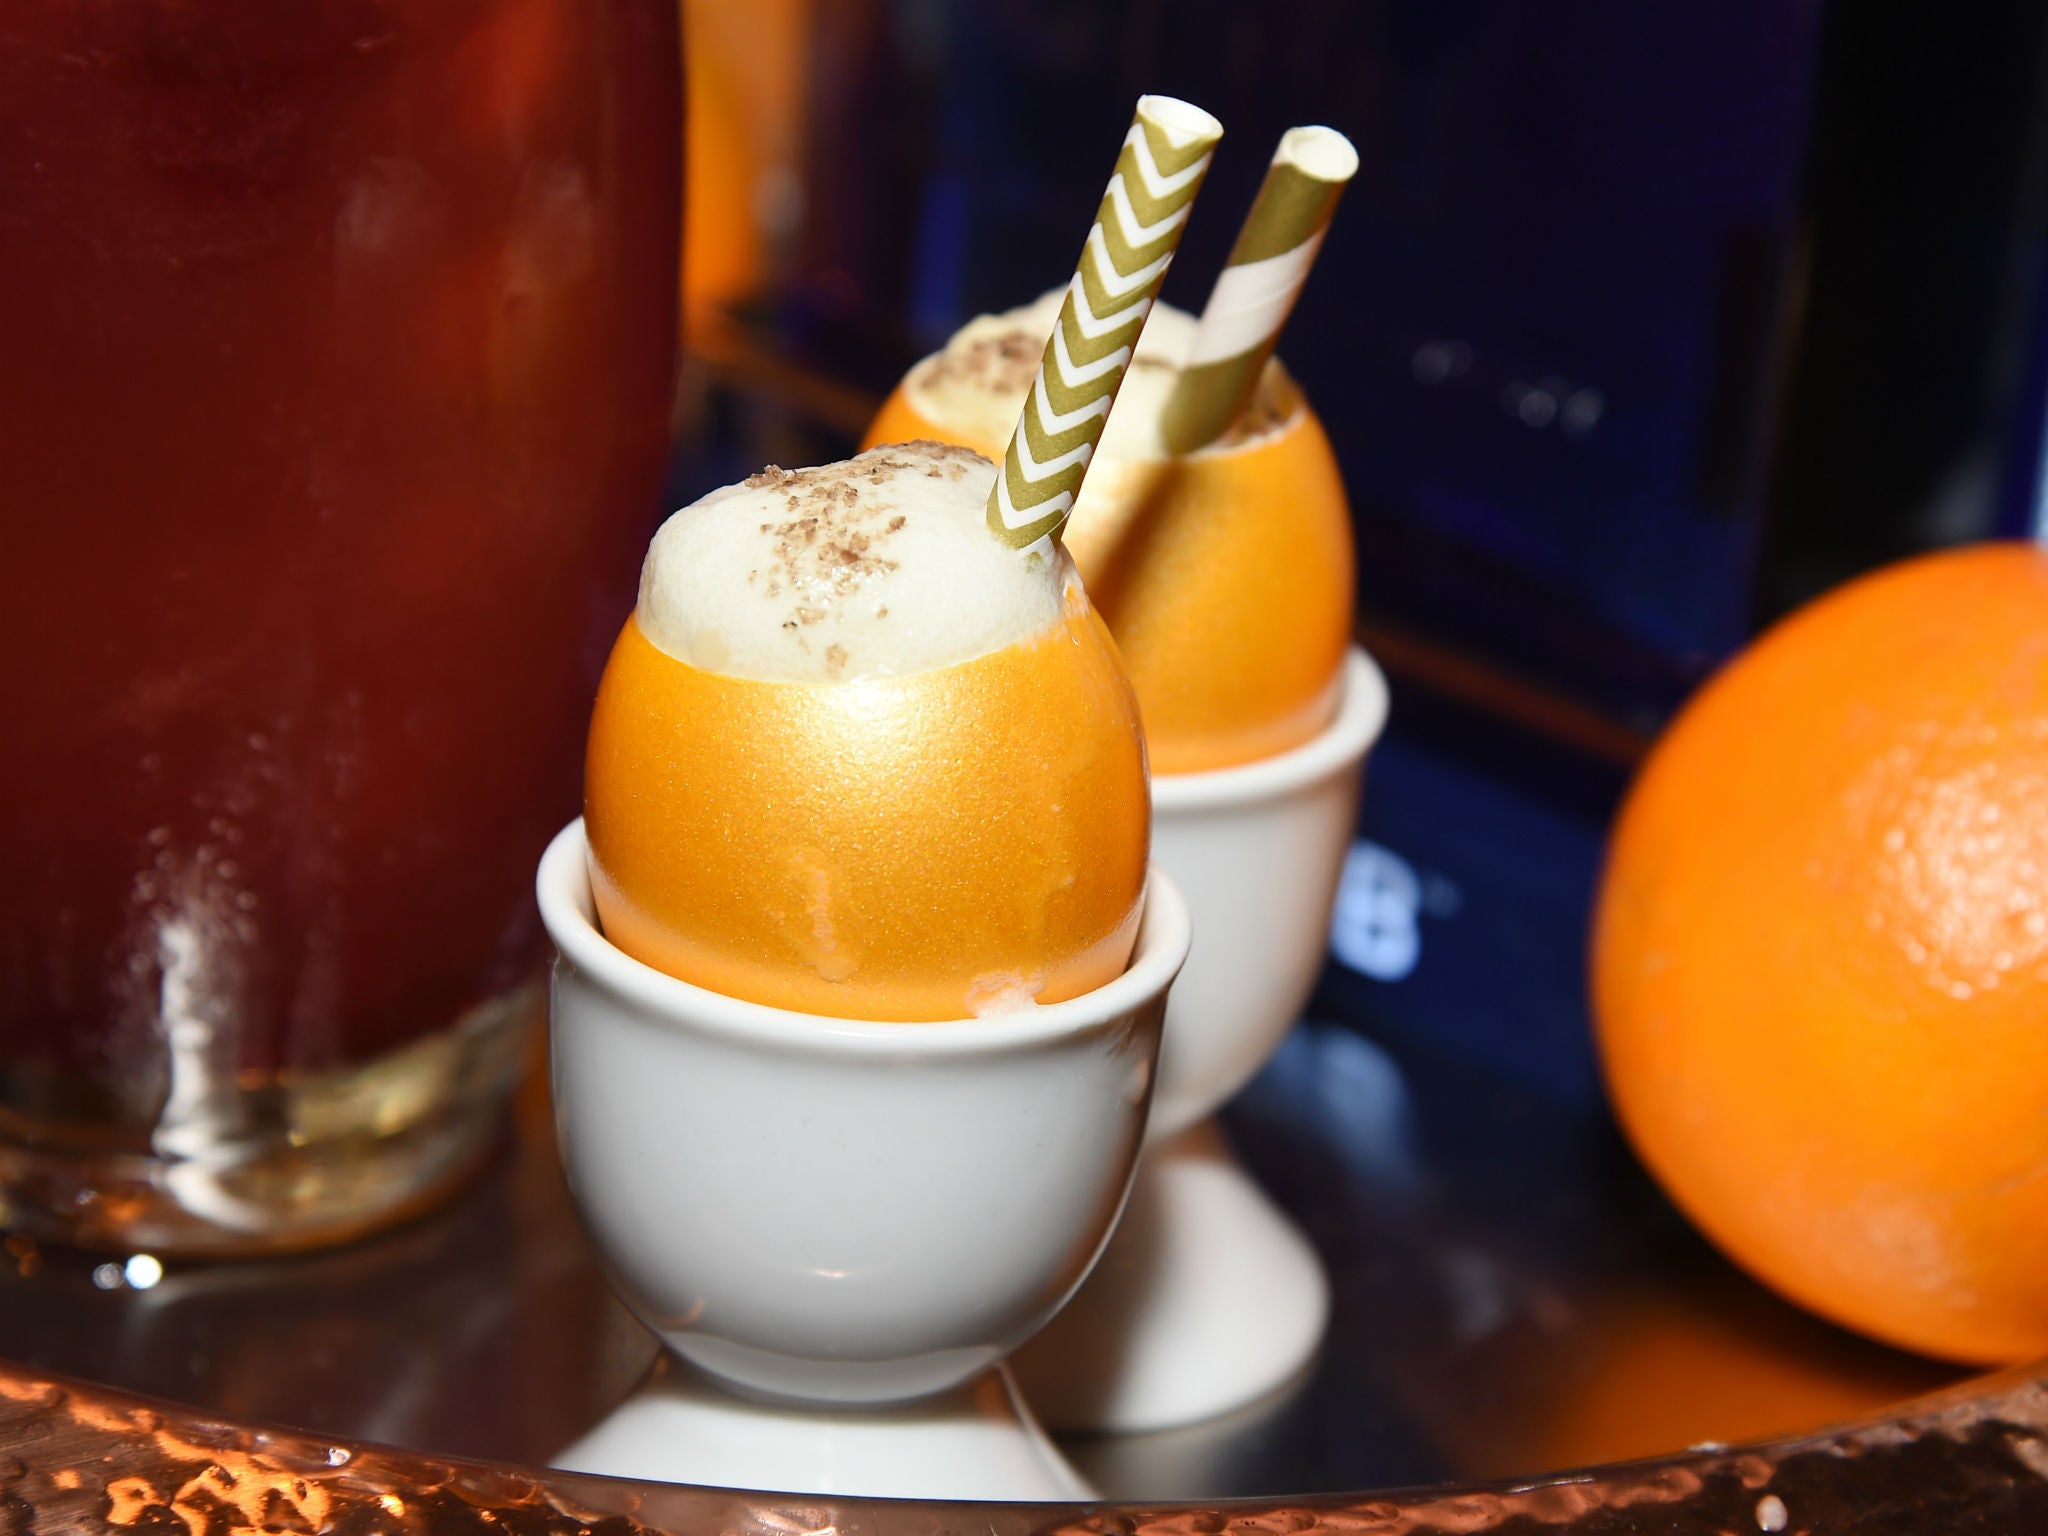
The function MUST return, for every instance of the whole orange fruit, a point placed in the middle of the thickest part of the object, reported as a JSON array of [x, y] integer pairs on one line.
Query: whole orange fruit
[[1820, 956]]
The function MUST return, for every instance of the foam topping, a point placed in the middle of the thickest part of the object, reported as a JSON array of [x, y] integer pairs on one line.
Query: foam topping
[[877, 566], [976, 385]]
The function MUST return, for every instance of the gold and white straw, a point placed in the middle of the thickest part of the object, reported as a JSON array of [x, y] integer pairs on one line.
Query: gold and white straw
[[1137, 228], [1251, 300]]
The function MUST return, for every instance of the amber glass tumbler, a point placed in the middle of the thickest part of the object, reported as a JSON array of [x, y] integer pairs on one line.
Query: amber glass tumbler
[[337, 344]]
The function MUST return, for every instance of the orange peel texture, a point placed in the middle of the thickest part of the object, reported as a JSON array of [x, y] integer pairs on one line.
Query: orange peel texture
[[927, 846], [1226, 576], [1820, 956]]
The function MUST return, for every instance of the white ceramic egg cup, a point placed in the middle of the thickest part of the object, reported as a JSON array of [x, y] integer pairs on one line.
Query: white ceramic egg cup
[[840, 1228], [1209, 1298]]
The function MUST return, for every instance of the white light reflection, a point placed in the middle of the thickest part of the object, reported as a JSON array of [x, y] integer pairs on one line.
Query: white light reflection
[[1436, 361]]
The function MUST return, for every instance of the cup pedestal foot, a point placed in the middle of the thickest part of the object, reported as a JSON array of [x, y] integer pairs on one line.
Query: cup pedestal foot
[[978, 1441], [1207, 1299]]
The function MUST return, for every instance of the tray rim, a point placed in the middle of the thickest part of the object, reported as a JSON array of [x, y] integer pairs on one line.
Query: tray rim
[[74, 1454]]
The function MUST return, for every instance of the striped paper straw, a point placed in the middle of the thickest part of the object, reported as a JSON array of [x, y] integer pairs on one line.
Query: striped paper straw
[[1251, 300], [1138, 225]]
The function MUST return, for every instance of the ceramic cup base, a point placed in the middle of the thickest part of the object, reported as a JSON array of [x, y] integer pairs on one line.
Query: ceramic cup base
[[1209, 1298], [841, 1226], [977, 1441]]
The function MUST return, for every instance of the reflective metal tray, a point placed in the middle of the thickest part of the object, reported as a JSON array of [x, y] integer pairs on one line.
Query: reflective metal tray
[[1512, 1298]]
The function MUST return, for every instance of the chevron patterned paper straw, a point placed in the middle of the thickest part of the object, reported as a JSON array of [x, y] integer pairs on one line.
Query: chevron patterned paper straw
[[1251, 300], [1138, 225]]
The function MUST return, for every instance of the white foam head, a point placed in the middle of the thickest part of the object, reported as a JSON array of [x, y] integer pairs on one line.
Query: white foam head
[[877, 566], [976, 385], [974, 389]]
